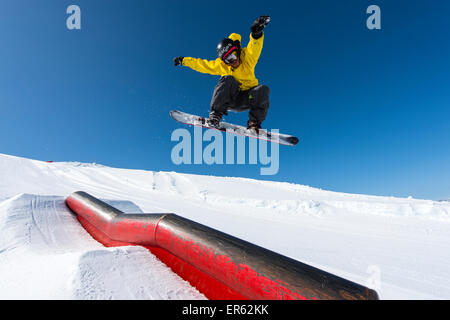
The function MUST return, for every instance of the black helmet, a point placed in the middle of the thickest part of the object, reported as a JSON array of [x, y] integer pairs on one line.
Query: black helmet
[[227, 45]]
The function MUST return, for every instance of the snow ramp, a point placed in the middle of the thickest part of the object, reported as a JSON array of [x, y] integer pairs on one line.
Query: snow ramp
[[45, 254], [217, 264]]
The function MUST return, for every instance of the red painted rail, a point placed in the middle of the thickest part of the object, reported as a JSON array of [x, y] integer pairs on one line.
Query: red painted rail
[[218, 265]]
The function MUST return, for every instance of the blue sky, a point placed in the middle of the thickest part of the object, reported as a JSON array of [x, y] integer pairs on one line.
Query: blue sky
[[371, 107]]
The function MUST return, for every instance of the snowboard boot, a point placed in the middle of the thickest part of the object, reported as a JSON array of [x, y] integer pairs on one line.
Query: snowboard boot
[[253, 125], [214, 119]]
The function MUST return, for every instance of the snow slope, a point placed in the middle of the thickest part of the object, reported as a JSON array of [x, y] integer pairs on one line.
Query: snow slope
[[400, 247]]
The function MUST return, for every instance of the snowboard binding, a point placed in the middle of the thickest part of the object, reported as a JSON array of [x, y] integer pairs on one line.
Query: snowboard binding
[[214, 119]]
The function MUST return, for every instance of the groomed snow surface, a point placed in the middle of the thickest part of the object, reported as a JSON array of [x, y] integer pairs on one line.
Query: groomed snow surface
[[400, 247]]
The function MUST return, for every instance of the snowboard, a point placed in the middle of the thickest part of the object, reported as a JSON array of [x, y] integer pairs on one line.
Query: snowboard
[[262, 134]]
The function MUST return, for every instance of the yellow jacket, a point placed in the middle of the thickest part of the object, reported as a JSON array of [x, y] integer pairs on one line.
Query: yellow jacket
[[244, 74]]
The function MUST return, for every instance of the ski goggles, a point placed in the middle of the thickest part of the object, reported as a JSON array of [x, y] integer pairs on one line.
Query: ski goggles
[[230, 56]]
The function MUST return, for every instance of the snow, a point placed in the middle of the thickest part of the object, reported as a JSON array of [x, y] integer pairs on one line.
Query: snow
[[398, 246], [46, 254]]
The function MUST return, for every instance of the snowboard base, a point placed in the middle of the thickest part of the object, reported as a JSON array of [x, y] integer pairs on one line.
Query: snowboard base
[[262, 134]]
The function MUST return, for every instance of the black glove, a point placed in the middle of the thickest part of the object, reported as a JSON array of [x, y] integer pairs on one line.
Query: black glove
[[178, 61], [259, 25]]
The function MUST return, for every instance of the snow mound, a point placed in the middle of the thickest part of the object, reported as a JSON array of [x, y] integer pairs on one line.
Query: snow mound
[[397, 246], [46, 254]]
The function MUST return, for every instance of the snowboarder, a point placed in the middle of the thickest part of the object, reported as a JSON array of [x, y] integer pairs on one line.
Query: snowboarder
[[238, 88]]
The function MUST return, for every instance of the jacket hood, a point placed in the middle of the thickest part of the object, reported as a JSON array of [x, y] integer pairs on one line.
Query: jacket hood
[[235, 36]]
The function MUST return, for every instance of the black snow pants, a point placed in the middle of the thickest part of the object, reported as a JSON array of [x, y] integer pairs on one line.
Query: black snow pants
[[228, 96]]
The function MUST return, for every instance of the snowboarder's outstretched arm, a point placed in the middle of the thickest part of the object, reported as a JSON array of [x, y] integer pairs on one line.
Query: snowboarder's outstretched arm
[[255, 44], [214, 67], [258, 26]]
